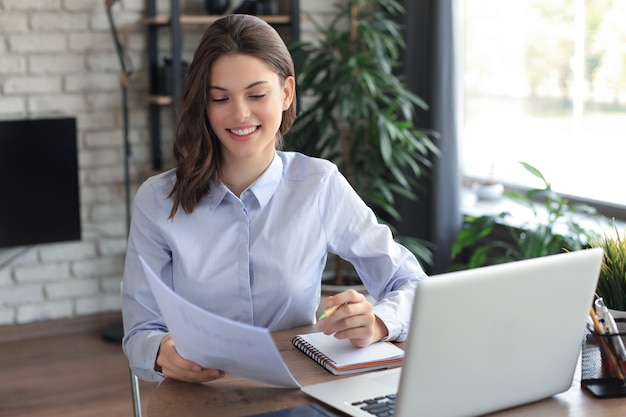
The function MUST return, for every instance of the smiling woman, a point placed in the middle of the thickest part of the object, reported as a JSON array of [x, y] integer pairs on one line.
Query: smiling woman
[[243, 229]]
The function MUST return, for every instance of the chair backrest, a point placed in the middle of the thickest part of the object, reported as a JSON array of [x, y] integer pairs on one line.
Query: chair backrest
[[134, 380]]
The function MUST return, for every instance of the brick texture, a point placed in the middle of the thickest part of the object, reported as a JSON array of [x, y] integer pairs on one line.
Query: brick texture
[[57, 58]]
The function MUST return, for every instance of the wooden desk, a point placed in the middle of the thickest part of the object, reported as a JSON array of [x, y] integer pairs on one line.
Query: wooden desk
[[234, 396]]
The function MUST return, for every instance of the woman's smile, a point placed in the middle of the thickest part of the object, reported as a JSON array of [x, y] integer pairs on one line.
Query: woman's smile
[[241, 133]]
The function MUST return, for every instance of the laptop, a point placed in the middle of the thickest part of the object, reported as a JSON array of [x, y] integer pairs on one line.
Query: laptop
[[483, 339]]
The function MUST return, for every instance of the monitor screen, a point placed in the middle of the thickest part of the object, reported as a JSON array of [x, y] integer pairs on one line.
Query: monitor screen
[[39, 200]]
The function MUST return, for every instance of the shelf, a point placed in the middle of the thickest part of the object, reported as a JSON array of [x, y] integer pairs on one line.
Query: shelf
[[208, 19]]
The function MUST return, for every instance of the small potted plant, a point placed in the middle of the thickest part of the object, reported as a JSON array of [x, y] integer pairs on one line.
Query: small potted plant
[[490, 189], [612, 281], [554, 229]]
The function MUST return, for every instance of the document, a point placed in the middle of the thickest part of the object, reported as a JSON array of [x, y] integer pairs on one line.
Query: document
[[217, 342]]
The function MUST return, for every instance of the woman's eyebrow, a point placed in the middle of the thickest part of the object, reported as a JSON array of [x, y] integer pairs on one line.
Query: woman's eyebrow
[[254, 84]]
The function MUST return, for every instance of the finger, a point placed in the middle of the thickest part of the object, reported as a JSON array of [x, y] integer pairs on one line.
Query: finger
[[360, 334], [349, 316], [189, 371], [169, 358], [344, 297], [378, 331], [336, 302], [175, 366], [357, 306], [204, 375], [183, 364]]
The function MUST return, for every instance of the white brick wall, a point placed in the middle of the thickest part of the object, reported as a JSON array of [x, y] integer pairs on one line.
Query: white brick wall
[[57, 57]]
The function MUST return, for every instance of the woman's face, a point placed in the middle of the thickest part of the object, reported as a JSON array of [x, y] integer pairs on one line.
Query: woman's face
[[246, 102]]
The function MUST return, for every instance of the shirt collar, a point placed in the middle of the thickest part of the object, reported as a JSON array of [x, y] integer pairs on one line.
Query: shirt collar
[[263, 188], [217, 193]]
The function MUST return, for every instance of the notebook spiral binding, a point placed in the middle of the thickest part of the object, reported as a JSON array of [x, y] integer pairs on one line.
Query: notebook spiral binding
[[311, 351]]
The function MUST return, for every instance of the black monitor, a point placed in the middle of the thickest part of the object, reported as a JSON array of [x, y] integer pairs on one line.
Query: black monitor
[[39, 198]]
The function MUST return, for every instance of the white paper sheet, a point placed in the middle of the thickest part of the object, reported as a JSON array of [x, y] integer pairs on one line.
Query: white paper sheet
[[216, 342]]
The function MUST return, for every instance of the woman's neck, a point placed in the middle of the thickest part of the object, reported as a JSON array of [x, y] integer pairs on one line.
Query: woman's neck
[[239, 174]]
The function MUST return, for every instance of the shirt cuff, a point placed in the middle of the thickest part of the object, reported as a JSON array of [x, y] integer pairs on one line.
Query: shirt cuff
[[394, 327]]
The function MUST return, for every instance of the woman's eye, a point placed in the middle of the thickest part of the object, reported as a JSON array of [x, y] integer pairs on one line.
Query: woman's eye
[[257, 96], [219, 99]]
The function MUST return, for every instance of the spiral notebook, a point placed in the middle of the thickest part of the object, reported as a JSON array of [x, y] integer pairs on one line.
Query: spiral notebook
[[341, 357]]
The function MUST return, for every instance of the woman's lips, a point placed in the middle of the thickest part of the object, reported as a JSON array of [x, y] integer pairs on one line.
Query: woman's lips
[[243, 131]]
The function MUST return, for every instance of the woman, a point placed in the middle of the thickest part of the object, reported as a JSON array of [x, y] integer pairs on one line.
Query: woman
[[242, 229]]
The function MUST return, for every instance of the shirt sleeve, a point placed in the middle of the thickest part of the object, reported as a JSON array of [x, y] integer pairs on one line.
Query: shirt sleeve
[[143, 323], [389, 271]]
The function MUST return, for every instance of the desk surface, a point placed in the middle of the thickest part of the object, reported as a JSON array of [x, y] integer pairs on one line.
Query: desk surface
[[234, 396]]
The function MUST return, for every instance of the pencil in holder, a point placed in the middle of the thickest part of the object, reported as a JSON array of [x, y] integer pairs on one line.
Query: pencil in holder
[[603, 368]]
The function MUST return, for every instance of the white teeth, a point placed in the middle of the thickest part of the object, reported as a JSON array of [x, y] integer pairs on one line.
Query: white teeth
[[242, 132]]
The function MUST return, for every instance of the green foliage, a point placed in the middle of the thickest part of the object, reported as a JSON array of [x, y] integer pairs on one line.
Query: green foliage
[[554, 229], [361, 114], [612, 281]]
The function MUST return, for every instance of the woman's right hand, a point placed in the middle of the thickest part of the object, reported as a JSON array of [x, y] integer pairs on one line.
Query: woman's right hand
[[175, 366]]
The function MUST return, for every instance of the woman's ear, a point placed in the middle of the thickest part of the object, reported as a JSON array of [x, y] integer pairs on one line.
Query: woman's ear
[[289, 90]]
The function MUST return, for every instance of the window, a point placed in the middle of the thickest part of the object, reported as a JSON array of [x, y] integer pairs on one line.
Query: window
[[545, 83]]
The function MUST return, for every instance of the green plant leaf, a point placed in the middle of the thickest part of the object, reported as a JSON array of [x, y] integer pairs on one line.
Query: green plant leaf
[[554, 230], [536, 173], [358, 112]]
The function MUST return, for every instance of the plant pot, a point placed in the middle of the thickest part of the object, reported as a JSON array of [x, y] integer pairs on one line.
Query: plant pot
[[488, 191]]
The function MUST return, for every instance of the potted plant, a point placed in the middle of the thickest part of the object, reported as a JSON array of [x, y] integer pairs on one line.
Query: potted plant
[[552, 230], [612, 280], [359, 113], [489, 189]]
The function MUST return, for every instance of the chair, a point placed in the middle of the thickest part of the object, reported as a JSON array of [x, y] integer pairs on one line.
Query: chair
[[136, 394], [134, 380]]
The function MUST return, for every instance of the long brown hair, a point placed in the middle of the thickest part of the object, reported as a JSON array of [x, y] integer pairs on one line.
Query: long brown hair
[[196, 147]]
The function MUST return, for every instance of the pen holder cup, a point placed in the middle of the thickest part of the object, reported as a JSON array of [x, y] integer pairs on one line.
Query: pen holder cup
[[600, 360]]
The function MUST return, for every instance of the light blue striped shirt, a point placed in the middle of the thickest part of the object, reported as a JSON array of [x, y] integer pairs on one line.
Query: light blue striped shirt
[[259, 259]]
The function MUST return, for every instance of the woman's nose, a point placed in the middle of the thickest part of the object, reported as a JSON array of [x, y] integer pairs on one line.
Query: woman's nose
[[242, 110]]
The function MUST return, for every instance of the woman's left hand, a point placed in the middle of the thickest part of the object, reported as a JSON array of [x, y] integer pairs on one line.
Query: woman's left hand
[[354, 319]]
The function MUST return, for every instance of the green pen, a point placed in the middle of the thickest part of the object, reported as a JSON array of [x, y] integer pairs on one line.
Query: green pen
[[327, 313]]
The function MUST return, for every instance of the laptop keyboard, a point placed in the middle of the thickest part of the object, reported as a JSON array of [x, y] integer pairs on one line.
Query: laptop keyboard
[[379, 406]]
